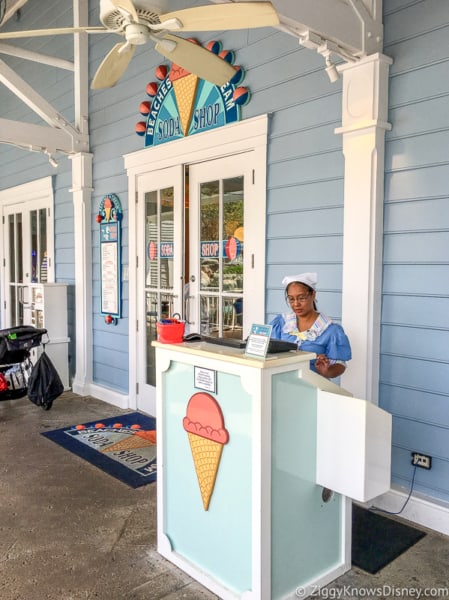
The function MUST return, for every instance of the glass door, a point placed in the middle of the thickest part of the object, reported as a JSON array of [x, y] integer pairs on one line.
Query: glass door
[[160, 269], [27, 256], [200, 240], [223, 221]]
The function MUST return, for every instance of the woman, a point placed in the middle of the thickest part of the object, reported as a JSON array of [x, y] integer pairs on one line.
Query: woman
[[311, 330]]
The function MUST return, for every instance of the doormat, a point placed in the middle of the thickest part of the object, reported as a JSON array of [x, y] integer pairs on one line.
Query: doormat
[[124, 446], [378, 540]]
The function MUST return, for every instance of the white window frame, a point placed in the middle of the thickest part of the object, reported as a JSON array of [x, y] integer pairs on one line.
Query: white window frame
[[27, 193]]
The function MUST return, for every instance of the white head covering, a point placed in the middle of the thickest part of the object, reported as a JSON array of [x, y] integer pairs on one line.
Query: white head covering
[[310, 279]]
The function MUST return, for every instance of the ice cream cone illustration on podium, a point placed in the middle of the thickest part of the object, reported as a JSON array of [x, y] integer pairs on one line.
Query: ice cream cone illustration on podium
[[204, 424]]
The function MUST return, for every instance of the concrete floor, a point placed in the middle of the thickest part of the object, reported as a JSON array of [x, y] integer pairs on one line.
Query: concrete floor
[[68, 531]]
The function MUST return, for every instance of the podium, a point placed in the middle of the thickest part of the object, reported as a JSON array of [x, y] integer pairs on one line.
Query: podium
[[258, 461]]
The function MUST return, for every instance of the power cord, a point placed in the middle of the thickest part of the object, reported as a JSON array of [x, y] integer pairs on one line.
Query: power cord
[[388, 512]]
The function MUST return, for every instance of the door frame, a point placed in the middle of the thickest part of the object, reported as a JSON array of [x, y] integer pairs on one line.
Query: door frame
[[26, 194], [249, 135]]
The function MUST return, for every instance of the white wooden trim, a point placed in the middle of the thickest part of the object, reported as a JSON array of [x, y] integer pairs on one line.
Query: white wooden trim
[[61, 136], [420, 509], [364, 122], [35, 101], [34, 190], [43, 59], [231, 139], [107, 395], [82, 195], [247, 135], [354, 28]]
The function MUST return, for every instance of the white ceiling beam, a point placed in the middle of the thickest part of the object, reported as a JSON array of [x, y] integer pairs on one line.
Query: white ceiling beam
[[41, 107], [355, 26], [43, 59], [37, 138], [348, 24]]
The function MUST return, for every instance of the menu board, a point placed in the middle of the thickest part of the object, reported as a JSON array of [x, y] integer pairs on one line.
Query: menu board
[[109, 269], [109, 218]]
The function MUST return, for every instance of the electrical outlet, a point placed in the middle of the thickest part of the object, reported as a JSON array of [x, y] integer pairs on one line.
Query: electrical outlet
[[421, 460]]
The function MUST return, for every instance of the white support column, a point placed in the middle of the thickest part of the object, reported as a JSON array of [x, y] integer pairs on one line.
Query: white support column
[[81, 68], [364, 122], [82, 215]]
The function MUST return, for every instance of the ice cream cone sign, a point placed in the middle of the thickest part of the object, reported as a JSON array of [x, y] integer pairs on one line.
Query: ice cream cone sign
[[185, 85], [204, 425], [108, 208]]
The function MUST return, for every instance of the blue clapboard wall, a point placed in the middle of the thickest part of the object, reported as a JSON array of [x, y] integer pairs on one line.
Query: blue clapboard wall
[[414, 376]]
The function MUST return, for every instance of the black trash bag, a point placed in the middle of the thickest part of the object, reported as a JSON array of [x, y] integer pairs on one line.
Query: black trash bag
[[44, 384]]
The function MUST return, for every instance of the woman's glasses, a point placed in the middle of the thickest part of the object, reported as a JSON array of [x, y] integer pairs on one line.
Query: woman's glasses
[[299, 299]]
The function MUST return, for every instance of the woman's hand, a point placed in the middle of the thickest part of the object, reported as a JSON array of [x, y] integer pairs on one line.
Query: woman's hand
[[324, 368]]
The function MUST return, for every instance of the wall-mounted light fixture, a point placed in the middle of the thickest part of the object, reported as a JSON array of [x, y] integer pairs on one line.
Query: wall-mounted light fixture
[[326, 48], [331, 70], [51, 160]]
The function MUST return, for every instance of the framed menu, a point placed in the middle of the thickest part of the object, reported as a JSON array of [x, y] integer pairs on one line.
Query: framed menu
[[109, 217]]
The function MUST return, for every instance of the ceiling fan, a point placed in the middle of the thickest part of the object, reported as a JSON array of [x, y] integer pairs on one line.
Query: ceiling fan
[[138, 23]]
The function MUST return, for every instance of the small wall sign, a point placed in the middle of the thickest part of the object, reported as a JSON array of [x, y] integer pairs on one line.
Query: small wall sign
[[109, 218], [205, 379], [182, 104]]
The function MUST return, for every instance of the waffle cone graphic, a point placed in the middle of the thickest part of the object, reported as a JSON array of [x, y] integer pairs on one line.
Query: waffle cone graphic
[[206, 457], [140, 439], [207, 435], [185, 85]]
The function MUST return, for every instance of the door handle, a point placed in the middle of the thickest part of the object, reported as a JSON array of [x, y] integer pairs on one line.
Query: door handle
[[187, 311]]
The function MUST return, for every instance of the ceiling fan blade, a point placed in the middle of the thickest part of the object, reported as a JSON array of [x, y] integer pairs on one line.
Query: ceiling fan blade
[[10, 35], [241, 15], [113, 66], [196, 59], [128, 7]]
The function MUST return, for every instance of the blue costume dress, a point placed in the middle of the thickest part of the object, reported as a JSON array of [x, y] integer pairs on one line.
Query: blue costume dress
[[324, 337]]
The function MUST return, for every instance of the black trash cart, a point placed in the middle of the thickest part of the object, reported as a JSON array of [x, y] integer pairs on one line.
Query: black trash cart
[[15, 363]]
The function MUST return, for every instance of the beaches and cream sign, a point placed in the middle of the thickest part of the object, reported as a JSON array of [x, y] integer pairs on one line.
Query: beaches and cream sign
[[182, 104]]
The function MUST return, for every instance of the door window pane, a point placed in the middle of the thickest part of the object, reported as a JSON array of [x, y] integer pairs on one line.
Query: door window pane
[[209, 236], [34, 246], [43, 250], [159, 258], [12, 249], [166, 238], [151, 335], [233, 234], [38, 245], [15, 245], [221, 256]]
